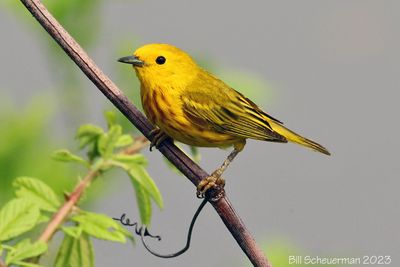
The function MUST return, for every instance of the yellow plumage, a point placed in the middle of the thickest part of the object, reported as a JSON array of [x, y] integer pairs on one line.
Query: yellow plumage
[[194, 107]]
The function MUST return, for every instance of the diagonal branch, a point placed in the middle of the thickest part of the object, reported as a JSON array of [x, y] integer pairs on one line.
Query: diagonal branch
[[190, 169], [67, 207], [73, 198]]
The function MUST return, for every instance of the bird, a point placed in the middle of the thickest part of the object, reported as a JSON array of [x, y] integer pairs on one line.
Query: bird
[[192, 106]]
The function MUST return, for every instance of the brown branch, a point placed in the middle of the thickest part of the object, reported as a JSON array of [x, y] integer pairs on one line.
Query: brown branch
[[140, 143], [72, 199], [66, 209], [171, 152]]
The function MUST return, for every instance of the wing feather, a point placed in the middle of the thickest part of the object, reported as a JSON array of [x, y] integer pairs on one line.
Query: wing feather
[[239, 118]]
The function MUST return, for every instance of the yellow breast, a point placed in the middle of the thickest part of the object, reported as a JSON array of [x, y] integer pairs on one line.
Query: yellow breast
[[165, 111]]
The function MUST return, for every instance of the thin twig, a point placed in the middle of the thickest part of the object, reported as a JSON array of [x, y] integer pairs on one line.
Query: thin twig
[[66, 209], [140, 143], [190, 169], [72, 199], [63, 212]]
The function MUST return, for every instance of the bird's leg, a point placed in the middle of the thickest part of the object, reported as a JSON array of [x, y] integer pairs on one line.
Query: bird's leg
[[215, 181], [158, 137]]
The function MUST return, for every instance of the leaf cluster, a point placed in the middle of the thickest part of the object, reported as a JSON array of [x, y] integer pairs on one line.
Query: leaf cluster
[[36, 204]]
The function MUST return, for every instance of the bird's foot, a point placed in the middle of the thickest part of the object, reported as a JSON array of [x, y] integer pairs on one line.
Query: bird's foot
[[211, 187], [158, 138]]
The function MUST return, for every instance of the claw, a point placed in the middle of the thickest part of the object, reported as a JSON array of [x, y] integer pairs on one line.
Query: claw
[[158, 138], [213, 186]]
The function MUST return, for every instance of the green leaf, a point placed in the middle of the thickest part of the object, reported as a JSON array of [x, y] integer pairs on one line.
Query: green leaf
[[111, 118], [138, 159], [101, 226], [124, 140], [36, 192], [139, 174], [26, 264], [194, 151], [66, 156], [89, 130], [17, 216], [143, 202], [7, 247], [43, 219], [108, 141], [24, 250], [74, 231], [75, 252], [87, 134]]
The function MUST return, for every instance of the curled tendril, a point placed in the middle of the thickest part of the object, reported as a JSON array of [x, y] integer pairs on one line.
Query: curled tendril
[[139, 230], [143, 232]]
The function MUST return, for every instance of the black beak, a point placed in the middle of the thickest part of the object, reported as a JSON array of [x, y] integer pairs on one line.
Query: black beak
[[132, 60]]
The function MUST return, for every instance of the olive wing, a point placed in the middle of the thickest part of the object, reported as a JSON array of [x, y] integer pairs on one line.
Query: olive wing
[[229, 113]]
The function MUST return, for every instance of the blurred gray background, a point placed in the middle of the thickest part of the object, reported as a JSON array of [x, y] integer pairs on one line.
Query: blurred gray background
[[333, 71]]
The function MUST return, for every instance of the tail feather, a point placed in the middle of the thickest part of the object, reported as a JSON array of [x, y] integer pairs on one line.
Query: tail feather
[[296, 138]]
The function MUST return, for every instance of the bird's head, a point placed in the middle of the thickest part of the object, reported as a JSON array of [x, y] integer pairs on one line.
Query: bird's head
[[162, 65]]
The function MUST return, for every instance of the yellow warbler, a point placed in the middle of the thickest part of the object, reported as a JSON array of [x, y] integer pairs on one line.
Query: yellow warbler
[[194, 107]]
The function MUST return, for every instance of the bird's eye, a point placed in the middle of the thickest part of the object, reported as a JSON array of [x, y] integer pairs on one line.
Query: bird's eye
[[160, 60]]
